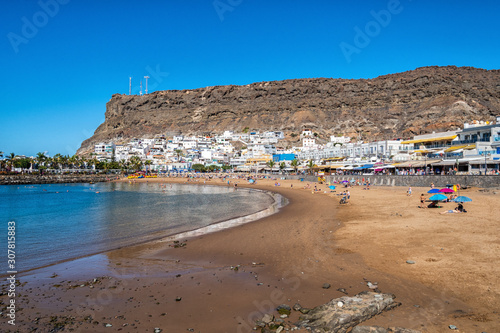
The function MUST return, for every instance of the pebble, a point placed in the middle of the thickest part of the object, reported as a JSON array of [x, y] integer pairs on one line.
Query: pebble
[[178, 299], [411, 262], [453, 327], [108, 325], [267, 318], [326, 285], [340, 304], [158, 330]]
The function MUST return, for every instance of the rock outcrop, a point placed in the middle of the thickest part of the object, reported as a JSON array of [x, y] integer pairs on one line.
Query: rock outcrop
[[420, 101]]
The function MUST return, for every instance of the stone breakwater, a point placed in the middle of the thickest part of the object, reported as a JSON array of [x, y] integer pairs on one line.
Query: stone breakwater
[[53, 179]]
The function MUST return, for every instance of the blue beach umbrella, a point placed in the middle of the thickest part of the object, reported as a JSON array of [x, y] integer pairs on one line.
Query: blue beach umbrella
[[434, 190], [331, 187], [462, 199], [438, 197]]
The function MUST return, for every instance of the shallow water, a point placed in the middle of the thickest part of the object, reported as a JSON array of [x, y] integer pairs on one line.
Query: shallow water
[[63, 221]]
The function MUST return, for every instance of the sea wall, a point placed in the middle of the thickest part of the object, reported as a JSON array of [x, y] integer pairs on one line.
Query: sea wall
[[419, 181], [52, 179]]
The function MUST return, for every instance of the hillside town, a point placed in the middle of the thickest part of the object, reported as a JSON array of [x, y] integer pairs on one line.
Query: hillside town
[[474, 149]]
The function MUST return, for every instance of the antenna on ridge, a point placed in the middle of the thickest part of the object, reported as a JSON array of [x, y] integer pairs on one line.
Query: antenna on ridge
[[141, 88], [130, 85], [146, 77]]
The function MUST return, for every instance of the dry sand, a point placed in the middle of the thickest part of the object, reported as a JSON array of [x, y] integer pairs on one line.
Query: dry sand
[[286, 258]]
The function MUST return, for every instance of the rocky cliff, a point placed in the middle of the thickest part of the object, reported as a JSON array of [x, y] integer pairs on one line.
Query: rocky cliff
[[391, 106]]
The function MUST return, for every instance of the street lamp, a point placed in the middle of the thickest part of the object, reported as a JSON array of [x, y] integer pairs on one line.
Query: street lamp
[[425, 163], [485, 163]]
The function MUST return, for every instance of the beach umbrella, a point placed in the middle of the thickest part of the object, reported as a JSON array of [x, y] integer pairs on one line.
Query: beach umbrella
[[462, 199], [434, 190], [438, 197], [345, 181], [446, 190], [331, 187]]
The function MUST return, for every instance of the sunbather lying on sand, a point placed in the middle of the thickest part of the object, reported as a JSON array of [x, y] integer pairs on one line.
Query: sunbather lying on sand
[[451, 211]]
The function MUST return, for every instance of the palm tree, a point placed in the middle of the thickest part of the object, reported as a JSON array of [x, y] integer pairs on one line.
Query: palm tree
[[178, 152], [10, 160], [136, 163], [73, 161], [124, 165], [310, 165], [40, 157], [93, 162], [271, 165], [295, 164], [147, 163], [57, 159], [282, 166]]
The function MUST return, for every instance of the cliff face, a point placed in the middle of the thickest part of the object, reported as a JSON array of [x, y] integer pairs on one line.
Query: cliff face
[[391, 106]]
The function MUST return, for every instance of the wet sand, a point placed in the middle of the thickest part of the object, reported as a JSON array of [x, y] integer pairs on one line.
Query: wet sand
[[224, 281]]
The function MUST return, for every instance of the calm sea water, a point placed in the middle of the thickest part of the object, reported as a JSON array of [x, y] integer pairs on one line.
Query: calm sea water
[[64, 221]]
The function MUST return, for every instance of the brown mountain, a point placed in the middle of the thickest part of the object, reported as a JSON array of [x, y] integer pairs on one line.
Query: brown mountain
[[391, 106]]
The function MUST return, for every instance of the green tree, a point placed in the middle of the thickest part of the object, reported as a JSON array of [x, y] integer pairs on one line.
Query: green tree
[[282, 166], [310, 166], [179, 154], [295, 164], [57, 159], [124, 165], [148, 163], [10, 160], [136, 163], [23, 163], [271, 165], [213, 167], [40, 158], [198, 167]]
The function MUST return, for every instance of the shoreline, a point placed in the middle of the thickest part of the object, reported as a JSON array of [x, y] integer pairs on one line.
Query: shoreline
[[292, 253], [189, 233]]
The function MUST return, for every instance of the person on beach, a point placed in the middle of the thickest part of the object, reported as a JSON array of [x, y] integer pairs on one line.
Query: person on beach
[[408, 193], [451, 211], [422, 201]]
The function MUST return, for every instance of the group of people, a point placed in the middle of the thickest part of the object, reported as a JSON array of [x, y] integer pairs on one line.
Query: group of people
[[434, 204]]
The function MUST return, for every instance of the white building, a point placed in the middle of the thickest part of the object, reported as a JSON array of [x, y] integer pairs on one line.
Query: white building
[[340, 139], [103, 148]]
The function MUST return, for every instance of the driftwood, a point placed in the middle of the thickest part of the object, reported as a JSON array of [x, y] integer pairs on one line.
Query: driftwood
[[341, 314]]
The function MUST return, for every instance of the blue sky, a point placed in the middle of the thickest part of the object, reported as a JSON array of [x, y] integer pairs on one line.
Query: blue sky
[[62, 60]]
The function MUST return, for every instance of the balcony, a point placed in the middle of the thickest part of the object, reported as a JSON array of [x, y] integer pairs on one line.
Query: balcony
[[470, 141]]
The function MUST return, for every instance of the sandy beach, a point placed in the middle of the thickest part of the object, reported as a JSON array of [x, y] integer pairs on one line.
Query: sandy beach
[[224, 281]]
